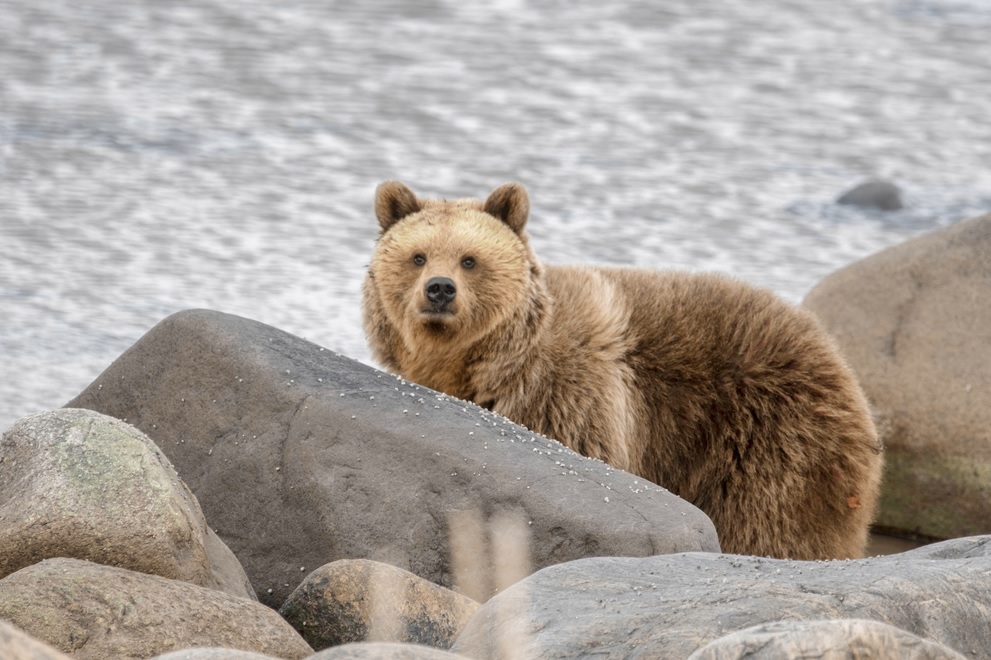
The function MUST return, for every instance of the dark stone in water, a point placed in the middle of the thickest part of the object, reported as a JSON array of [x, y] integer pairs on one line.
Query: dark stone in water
[[875, 194]]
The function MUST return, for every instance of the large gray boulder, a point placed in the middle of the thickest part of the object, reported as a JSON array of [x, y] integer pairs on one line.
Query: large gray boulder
[[914, 322], [92, 611], [668, 606], [300, 457], [75, 483]]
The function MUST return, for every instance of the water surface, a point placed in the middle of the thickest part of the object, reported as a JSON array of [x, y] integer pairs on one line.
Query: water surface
[[157, 156]]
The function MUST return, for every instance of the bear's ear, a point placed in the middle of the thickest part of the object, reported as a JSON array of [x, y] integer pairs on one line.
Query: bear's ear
[[510, 203], [393, 202]]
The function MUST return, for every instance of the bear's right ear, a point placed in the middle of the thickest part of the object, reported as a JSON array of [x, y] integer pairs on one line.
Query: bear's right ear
[[393, 202], [510, 203]]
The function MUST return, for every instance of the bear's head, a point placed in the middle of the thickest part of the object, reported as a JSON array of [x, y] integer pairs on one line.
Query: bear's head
[[448, 272]]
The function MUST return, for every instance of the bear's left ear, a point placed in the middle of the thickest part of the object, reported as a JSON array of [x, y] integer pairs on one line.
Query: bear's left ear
[[393, 202], [510, 203]]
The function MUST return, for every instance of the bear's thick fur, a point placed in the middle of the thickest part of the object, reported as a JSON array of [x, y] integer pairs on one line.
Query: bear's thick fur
[[722, 393]]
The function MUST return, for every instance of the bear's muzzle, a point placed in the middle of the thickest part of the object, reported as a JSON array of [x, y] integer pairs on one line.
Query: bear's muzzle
[[440, 292]]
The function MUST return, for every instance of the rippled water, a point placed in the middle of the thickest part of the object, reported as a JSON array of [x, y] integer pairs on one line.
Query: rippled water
[[157, 156]]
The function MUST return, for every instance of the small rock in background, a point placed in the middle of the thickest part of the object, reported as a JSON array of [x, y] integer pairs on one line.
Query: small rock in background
[[914, 323], [358, 600], [828, 640], [668, 606], [874, 194], [75, 483], [18, 645], [92, 611]]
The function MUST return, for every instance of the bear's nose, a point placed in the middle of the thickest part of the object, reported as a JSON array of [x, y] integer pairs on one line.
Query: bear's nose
[[440, 292]]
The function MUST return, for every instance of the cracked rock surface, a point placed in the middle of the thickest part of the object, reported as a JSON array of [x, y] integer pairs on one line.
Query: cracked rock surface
[[300, 457], [669, 606], [914, 322]]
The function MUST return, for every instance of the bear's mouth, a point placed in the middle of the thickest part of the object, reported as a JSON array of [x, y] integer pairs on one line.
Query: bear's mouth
[[434, 314], [436, 321], [436, 327]]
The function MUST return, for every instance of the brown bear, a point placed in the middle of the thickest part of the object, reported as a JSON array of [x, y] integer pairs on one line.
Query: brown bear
[[721, 392]]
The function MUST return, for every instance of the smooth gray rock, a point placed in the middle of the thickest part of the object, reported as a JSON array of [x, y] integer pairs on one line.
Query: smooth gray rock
[[824, 640], [914, 322], [300, 457], [75, 483], [358, 600], [875, 194], [92, 611], [669, 606]]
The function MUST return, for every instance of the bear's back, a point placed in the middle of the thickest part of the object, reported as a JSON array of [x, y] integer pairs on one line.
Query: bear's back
[[691, 325]]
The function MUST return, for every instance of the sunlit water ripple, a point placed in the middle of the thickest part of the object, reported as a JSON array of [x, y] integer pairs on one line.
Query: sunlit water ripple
[[157, 156]]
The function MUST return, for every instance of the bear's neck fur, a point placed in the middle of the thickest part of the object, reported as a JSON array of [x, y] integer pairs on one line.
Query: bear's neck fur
[[559, 349]]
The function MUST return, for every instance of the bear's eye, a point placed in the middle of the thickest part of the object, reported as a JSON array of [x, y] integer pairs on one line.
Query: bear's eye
[[419, 259], [468, 263]]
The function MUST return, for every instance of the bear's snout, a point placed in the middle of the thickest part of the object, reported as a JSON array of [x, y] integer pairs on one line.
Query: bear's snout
[[440, 292]]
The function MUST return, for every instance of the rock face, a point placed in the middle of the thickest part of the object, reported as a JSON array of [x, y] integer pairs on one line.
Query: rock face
[[876, 194], [914, 322], [840, 639], [383, 651], [93, 611], [670, 605], [213, 653], [75, 483], [357, 651], [300, 457], [361, 600], [17, 645]]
